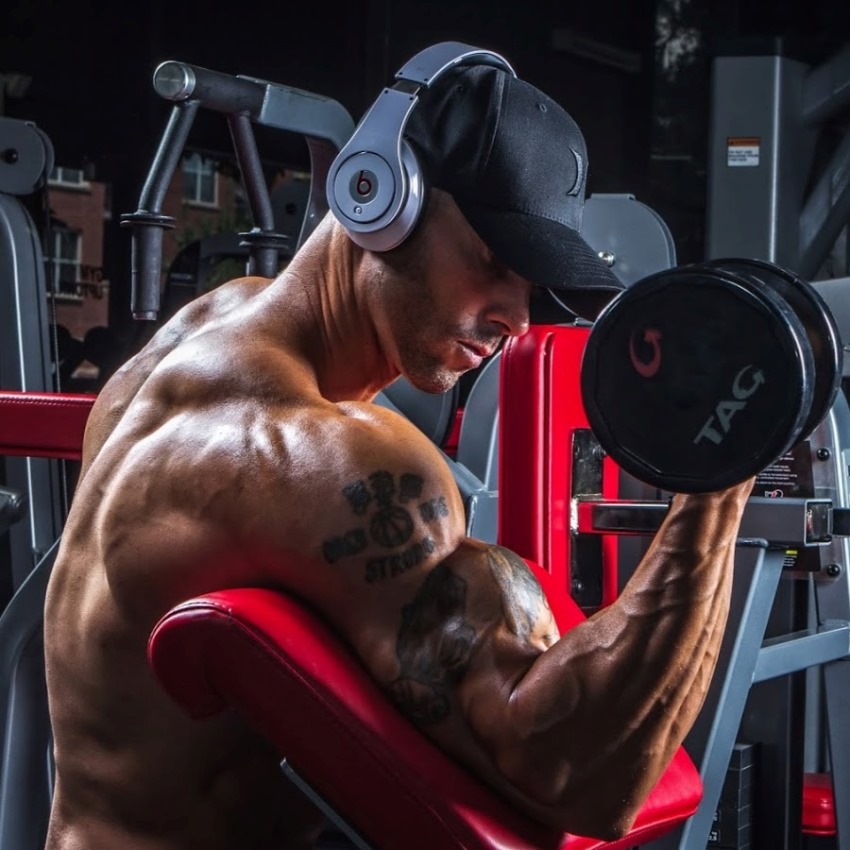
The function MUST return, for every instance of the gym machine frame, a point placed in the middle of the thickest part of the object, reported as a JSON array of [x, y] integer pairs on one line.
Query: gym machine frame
[[770, 197], [765, 198], [323, 122], [33, 505]]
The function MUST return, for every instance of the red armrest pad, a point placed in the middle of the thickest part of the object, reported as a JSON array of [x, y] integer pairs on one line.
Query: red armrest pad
[[290, 677], [43, 424]]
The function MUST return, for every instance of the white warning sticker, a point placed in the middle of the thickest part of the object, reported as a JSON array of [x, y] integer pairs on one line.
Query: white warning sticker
[[743, 150]]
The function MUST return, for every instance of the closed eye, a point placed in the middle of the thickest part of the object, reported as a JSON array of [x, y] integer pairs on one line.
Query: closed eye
[[496, 268]]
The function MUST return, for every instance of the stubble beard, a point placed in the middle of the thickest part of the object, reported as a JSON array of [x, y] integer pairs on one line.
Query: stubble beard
[[423, 334]]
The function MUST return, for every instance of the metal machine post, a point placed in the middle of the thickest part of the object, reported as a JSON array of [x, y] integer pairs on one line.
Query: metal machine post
[[768, 195], [26, 157]]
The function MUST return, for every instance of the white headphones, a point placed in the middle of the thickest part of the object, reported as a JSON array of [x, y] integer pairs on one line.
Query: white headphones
[[375, 185]]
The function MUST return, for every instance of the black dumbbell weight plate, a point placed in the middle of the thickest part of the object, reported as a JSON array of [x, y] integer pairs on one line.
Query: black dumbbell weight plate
[[695, 378], [818, 322]]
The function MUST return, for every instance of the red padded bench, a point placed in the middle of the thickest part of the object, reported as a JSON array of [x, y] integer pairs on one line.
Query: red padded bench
[[43, 424], [287, 674]]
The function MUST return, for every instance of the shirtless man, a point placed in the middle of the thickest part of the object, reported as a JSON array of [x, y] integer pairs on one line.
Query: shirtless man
[[241, 448]]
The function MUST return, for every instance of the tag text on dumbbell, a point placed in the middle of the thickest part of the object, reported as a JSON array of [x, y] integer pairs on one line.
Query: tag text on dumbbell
[[718, 425]]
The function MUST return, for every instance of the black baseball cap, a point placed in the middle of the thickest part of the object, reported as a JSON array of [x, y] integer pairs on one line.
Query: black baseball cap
[[516, 165]]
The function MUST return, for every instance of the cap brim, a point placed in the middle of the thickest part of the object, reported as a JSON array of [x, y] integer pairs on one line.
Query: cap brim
[[549, 254]]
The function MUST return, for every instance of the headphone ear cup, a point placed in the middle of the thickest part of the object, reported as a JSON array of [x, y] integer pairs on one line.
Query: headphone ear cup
[[363, 190], [389, 231]]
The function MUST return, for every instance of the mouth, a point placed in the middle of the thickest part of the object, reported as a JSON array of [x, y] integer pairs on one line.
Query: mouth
[[478, 350]]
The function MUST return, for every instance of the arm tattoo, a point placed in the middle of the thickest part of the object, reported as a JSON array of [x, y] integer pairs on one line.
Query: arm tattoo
[[434, 509], [434, 646], [381, 502], [522, 596]]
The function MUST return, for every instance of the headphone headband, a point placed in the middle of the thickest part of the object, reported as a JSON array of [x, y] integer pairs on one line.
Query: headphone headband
[[375, 187], [430, 63]]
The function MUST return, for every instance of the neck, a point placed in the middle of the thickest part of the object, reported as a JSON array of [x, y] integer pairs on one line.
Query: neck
[[323, 302]]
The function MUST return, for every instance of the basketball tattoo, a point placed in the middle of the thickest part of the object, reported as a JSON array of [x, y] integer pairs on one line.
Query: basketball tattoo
[[383, 500], [434, 646]]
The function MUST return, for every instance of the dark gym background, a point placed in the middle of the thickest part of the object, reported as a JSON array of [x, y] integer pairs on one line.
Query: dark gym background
[[634, 73]]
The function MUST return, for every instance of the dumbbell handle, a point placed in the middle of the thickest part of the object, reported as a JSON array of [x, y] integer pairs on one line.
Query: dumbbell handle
[[782, 522]]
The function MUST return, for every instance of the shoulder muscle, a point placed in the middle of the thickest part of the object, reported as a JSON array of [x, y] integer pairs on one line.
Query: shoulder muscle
[[391, 503]]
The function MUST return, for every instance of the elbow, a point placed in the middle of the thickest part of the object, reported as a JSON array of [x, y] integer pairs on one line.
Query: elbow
[[597, 817], [580, 788], [586, 807], [603, 825]]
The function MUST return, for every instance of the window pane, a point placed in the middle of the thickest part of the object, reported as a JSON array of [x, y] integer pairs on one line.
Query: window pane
[[206, 193], [192, 163], [199, 176], [67, 245], [190, 186], [66, 259], [72, 176], [67, 272]]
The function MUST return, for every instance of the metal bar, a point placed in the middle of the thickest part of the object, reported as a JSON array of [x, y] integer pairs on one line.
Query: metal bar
[[148, 223], [324, 807], [788, 521], [269, 104], [725, 705], [825, 211], [620, 517], [182, 82], [826, 89], [298, 111], [833, 604], [836, 677], [253, 178], [322, 155], [167, 157], [801, 650]]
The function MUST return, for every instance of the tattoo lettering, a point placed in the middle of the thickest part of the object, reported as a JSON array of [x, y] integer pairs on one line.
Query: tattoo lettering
[[409, 487], [358, 496], [383, 486], [434, 509], [390, 526], [351, 543], [434, 647], [523, 599], [394, 565]]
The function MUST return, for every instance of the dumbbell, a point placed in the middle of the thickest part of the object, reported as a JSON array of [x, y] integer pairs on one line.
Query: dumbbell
[[698, 377]]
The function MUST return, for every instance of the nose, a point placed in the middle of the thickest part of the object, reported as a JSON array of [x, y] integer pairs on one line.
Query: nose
[[509, 308]]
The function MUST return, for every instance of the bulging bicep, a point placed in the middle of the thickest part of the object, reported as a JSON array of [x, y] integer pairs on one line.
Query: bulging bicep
[[390, 503]]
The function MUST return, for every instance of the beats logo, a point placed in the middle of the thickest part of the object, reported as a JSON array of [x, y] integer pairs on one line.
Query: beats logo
[[363, 186]]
